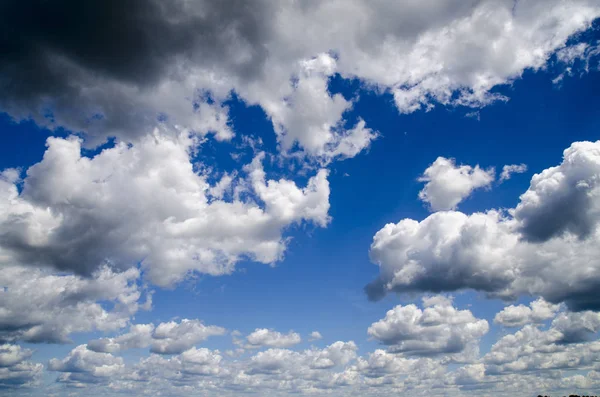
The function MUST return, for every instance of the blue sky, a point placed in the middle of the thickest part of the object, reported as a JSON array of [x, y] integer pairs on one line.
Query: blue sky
[[125, 188]]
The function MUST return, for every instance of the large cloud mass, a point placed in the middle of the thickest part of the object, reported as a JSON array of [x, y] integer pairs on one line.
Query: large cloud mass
[[145, 203], [525, 251], [114, 67]]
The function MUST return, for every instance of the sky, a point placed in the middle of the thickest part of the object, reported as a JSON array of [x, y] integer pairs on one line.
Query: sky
[[308, 198]]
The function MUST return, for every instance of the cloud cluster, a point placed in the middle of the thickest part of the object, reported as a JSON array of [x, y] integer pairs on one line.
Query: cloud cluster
[[518, 316], [117, 68], [15, 372], [506, 254], [38, 306], [146, 203], [536, 357], [166, 338]]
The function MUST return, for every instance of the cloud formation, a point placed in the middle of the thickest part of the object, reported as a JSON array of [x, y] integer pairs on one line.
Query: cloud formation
[[145, 203], [518, 316], [166, 338], [114, 69], [37, 306], [438, 329], [262, 337], [522, 252], [447, 184]]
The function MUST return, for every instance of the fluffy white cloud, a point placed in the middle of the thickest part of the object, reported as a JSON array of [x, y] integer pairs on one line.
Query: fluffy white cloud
[[518, 316], [145, 203], [22, 375], [447, 184], [265, 337], [315, 335], [509, 170], [568, 343], [173, 338], [38, 306], [528, 360], [554, 227], [438, 329], [166, 338]]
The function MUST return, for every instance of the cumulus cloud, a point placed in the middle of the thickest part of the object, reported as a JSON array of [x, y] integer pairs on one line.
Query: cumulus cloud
[[83, 366], [568, 343], [518, 316], [166, 338], [138, 61], [509, 170], [38, 306], [21, 374], [447, 184], [144, 203], [438, 329], [564, 198], [554, 227], [262, 337], [315, 335]]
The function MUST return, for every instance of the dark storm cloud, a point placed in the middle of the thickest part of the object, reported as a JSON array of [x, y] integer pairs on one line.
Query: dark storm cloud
[[61, 50]]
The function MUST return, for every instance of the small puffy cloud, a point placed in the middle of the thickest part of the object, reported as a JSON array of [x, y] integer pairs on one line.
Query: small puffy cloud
[[315, 335], [305, 364], [438, 329], [166, 338], [509, 170], [506, 253], [569, 343], [447, 184], [518, 316], [263, 337]]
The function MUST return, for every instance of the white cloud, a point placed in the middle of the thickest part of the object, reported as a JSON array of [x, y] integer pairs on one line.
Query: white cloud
[[166, 338], [85, 366], [11, 355], [315, 335], [144, 203], [447, 184], [438, 329], [509, 170], [568, 343], [265, 337], [554, 227], [38, 306], [518, 316], [526, 360]]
